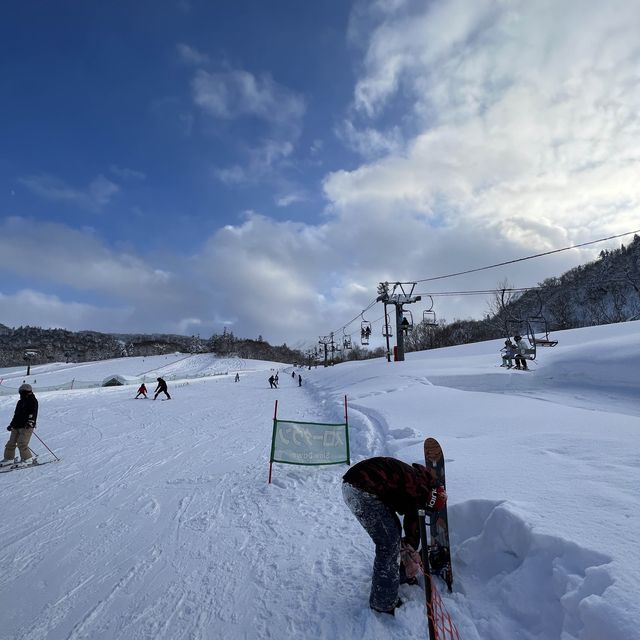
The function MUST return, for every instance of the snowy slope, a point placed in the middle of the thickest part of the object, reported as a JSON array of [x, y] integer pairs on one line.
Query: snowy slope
[[159, 523], [175, 366]]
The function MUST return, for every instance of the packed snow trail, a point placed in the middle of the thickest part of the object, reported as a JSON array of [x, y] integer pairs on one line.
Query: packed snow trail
[[159, 523]]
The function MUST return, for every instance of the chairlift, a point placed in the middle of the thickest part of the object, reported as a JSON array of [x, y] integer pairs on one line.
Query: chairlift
[[538, 324], [387, 331], [365, 331], [407, 321], [429, 315], [346, 342]]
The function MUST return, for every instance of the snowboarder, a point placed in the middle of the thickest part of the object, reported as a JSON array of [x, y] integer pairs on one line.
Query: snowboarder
[[521, 349], [376, 490], [299, 380], [161, 388], [508, 351], [21, 427], [142, 391], [237, 377], [272, 382]]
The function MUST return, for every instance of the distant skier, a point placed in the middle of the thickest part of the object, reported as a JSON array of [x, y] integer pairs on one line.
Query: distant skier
[[142, 391], [21, 427], [237, 379], [376, 490], [276, 378], [293, 374], [272, 382], [299, 380], [161, 388]]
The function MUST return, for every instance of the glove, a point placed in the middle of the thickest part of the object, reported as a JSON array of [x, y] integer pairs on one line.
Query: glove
[[437, 499], [411, 560]]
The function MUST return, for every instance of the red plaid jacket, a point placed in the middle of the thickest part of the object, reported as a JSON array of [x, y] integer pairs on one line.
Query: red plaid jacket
[[402, 487]]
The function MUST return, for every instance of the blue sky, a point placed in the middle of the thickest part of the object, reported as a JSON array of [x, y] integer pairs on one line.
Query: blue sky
[[100, 102], [184, 166]]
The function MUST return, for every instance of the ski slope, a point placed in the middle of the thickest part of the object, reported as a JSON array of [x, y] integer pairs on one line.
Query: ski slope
[[159, 522]]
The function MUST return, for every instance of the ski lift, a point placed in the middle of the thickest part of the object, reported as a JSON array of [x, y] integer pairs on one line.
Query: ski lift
[[429, 315], [387, 331], [346, 342], [518, 327], [538, 324], [406, 324], [365, 330]]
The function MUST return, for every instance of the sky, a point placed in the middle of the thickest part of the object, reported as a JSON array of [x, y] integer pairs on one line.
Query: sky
[[188, 166]]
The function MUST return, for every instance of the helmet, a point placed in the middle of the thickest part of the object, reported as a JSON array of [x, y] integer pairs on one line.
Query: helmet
[[517, 337], [25, 387]]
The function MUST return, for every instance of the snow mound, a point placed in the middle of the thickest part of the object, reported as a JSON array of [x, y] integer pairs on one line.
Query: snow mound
[[522, 584]]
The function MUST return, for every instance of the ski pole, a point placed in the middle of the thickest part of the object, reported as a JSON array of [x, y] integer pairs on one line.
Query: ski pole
[[49, 450], [424, 552]]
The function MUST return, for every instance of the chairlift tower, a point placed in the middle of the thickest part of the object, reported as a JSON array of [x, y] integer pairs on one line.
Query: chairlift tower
[[29, 355], [398, 296], [328, 343]]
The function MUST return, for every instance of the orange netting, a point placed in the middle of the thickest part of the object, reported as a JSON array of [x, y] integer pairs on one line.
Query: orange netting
[[440, 618]]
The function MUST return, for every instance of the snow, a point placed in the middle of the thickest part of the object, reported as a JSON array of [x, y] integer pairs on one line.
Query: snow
[[159, 522]]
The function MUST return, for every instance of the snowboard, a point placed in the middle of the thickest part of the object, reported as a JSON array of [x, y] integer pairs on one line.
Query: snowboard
[[439, 549]]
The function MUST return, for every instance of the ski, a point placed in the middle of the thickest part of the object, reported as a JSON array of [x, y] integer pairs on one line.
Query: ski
[[16, 466], [439, 550]]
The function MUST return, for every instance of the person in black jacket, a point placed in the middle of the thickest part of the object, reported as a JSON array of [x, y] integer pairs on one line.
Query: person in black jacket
[[22, 426], [376, 490], [161, 388]]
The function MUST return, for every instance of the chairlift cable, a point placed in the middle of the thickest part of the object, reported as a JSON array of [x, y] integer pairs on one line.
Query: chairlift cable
[[536, 255]]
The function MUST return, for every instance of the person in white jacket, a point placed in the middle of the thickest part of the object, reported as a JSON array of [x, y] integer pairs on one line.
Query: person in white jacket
[[521, 349]]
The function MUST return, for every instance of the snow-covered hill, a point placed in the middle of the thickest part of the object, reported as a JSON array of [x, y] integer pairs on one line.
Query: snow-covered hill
[[159, 522]]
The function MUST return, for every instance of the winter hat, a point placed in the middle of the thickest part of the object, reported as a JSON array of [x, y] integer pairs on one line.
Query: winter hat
[[25, 387]]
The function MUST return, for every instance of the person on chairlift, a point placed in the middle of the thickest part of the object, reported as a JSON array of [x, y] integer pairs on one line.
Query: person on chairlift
[[521, 350], [508, 351]]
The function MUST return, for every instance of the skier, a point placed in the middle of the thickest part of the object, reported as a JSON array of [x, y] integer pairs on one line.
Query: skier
[[293, 374], [237, 377], [521, 349], [21, 427], [508, 351], [299, 380], [276, 378], [376, 490], [161, 388], [142, 391], [272, 382]]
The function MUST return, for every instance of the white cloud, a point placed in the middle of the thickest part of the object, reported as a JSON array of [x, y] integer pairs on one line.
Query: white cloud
[[50, 312], [368, 141], [127, 174], [522, 114], [237, 93], [94, 197], [289, 199], [231, 175], [191, 56]]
